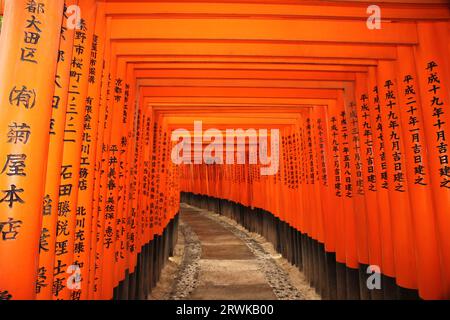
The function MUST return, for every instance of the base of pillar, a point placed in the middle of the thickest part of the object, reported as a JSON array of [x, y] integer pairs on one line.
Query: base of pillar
[[331, 279]]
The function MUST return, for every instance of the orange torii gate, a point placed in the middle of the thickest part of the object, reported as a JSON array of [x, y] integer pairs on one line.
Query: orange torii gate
[[89, 207]]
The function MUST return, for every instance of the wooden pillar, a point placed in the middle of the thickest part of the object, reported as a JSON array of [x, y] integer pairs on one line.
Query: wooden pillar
[[44, 283], [107, 185], [87, 216], [117, 150], [381, 179], [67, 251], [433, 80], [29, 44], [96, 265], [401, 219], [367, 136], [429, 272]]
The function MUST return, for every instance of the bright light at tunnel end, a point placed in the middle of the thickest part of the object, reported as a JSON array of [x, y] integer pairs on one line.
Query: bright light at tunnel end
[[208, 147]]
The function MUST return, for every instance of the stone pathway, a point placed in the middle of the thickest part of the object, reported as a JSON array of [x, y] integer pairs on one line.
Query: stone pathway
[[222, 260]]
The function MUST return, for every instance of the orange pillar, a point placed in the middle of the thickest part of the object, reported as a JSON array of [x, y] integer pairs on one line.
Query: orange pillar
[[134, 244], [322, 170], [127, 144], [433, 80], [334, 163], [44, 283], [108, 205], [328, 176], [401, 218], [151, 184], [29, 44], [86, 215], [369, 176], [96, 264], [66, 281], [117, 150], [416, 157], [348, 193], [381, 175], [359, 201]]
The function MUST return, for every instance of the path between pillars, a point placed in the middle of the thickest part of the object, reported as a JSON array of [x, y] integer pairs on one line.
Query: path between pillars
[[218, 259]]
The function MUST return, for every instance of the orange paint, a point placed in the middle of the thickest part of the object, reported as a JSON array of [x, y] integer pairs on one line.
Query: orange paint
[[27, 69]]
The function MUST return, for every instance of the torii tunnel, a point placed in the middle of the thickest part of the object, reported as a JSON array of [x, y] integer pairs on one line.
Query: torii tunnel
[[319, 126]]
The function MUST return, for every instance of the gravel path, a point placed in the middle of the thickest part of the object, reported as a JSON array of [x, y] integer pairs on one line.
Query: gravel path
[[276, 277], [218, 259], [187, 278]]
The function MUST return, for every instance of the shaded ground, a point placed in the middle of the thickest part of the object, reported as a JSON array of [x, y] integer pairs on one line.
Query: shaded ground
[[215, 258]]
